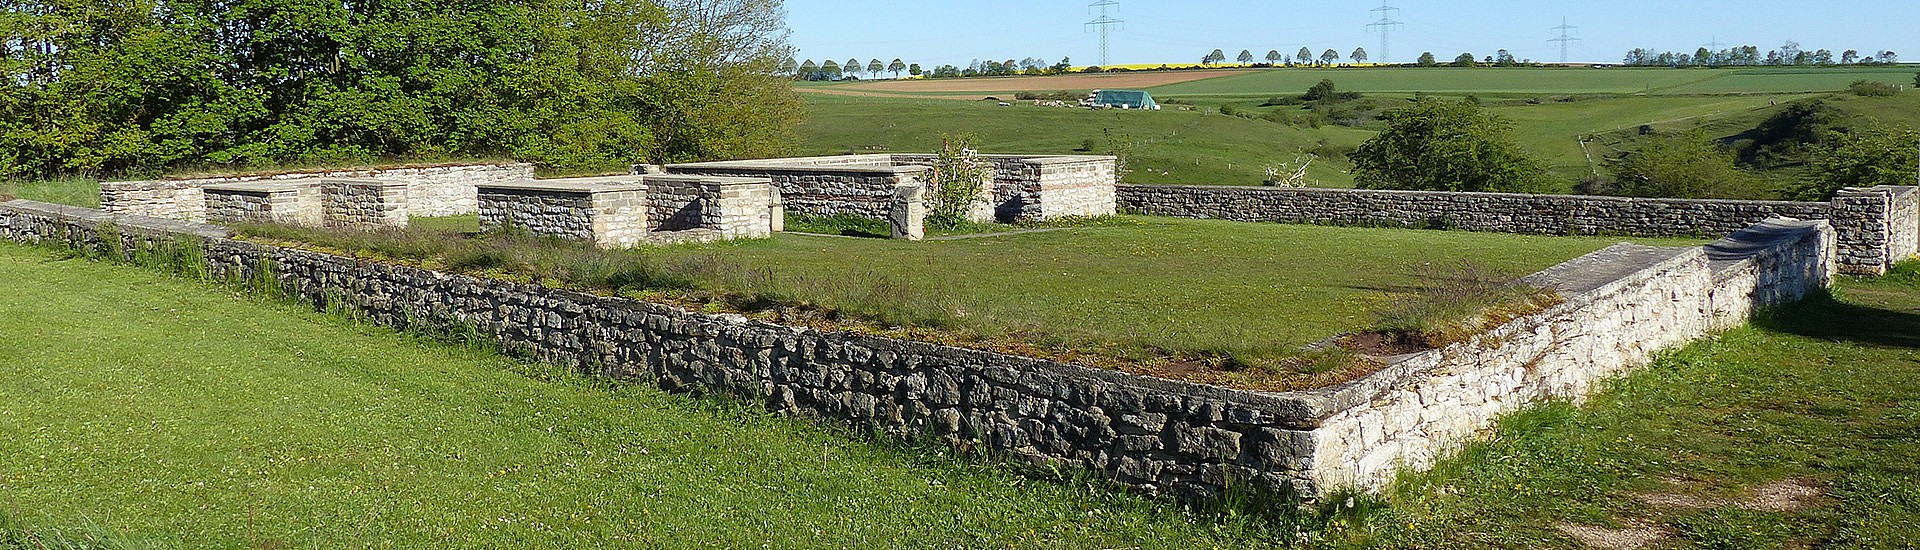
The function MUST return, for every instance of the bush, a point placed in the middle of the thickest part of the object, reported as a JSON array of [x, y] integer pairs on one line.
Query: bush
[[1863, 157], [1682, 166], [1446, 146], [1869, 88]]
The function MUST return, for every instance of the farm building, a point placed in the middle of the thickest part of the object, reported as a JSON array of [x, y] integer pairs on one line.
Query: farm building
[[1122, 99]]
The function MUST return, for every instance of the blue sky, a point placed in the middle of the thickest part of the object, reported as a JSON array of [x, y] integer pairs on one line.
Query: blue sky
[[1164, 31]]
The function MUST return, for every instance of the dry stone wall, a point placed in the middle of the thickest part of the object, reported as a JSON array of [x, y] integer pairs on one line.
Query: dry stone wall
[[1623, 304], [1025, 187], [1877, 227], [1039, 188], [431, 191], [609, 212], [287, 203], [858, 189], [363, 203]]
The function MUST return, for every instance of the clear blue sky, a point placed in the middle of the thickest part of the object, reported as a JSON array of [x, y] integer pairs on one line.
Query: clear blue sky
[[1165, 31]]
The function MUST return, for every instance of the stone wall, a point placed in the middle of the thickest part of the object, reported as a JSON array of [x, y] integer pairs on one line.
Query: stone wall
[[296, 203], [363, 203], [733, 207], [859, 188], [609, 212], [431, 191], [1867, 220], [1623, 304], [1025, 187]]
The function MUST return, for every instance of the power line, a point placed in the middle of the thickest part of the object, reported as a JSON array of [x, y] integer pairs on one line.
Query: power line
[[1105, 25], [1715, 45], [1386, 24], [1566, 38]]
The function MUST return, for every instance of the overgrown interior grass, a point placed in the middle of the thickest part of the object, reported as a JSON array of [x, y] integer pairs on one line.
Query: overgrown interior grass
[[1451, 302], [144, 410], [1215, 302]]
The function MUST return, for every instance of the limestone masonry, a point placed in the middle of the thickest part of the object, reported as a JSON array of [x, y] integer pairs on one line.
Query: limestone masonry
[[1622, 305], [434, 191], [627, 211], [1876, 226], [1025, 187]]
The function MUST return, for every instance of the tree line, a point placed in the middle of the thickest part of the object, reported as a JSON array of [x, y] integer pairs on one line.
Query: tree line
[[853, 68], [1303, 57], [150, 85], [1787, 55]]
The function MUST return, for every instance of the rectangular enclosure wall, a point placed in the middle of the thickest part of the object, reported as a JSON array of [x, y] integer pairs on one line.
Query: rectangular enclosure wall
[[286, 203], [1622, 305], [609, 212], [1877, 227], [1025, 187]]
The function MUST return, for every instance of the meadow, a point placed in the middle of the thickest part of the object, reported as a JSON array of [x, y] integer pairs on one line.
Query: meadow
[[1553, 111]]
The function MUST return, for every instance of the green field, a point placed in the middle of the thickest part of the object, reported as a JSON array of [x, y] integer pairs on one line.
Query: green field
[[1552, 110], [1496, 82], [1169, 146]]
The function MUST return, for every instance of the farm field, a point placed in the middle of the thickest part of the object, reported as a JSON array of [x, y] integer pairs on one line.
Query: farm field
[[1552, 110]]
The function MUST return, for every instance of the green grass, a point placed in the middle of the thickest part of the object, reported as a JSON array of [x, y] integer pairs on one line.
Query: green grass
[[1552, 130], [1171, 147], [1826, 393], [1138, 290], [157, 409], [83, 192]]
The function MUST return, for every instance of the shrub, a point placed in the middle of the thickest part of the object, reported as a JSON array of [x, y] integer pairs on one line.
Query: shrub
[[1685, 166], [1863, 157], [1869, 88], [960, 176], [1446, 146]]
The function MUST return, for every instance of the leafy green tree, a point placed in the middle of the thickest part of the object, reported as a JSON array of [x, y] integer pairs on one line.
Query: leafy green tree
[[1274, 57], [1687, 166], [1464, 60], [1427, 60], [1863, 157], [1215, 56], [1246, 57], [852, 67], [1359, 55], [1504, 58], [831, 70], [875, 67], [808, 68], [789, 67], [1438, 145], [915, 70], [1304, 55], [1329, 57], [896, 67]]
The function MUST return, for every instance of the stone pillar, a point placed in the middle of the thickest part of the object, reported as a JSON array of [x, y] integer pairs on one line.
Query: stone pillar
[[777, 210], [908, 212], [361, 203]]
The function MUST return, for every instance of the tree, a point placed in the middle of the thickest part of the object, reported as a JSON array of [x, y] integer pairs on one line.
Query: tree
[[809, 70], [875, 67], [1849, 57], [1464, 60], [1863, 157], [1246, 57], [1703, 57], [1684, 166], [852, 67], [1274, 57], [915, 70], [1215, 57], [1304, 55], [1359, 55], [790, 67], [1445, 146], [1427, 60], [146, 86], [1790, 52], [1329, 56], [1065, 64], [831, 70], [896, 67], [1887, 57], [1504, 58]]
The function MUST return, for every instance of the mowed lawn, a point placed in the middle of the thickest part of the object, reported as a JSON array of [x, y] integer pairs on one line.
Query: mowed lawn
[[153, 409]]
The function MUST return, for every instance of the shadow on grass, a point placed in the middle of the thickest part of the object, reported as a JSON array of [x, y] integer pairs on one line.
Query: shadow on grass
[[1827, 318]]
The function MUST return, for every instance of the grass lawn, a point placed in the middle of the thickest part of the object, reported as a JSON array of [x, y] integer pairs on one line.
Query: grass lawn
[[157, 409], [1821, 401], [82, 192]]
